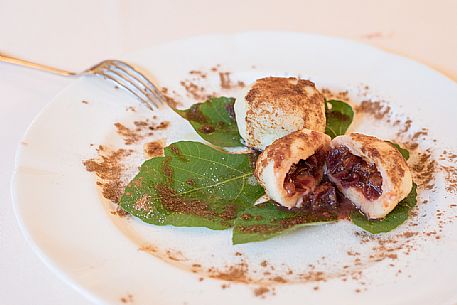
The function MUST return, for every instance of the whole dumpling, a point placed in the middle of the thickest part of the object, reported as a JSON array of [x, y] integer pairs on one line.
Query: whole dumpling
[[273, 107]]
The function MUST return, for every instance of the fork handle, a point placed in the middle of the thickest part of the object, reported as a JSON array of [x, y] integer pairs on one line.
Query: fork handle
[[29, 64]]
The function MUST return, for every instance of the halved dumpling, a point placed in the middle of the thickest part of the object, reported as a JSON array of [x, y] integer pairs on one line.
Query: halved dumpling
[[292, 166], [370, 172], [273, 107]]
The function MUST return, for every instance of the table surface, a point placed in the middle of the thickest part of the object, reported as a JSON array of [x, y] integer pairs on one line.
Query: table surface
[[75, 34]]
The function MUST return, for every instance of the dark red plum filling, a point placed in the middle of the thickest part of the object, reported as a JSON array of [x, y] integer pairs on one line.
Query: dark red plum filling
[[353, 171], [305, 175], [320, 196], [326, 200]]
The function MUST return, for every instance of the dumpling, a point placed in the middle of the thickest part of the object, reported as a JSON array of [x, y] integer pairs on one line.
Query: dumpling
[[292, 166], [370, 172], [273, 107]]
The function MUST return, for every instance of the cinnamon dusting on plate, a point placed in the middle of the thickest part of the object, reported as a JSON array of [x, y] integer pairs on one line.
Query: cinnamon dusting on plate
[[198, 84], [172, 101], [109, 169], [176, 255], [198, 73], [376, 109], [233, 273], [424, 169], [215, 68], [339, 95], [261, 291], [226, 82], [140, 130], [128, 299], [148, 248], [449, 168], [129, 135], [195, 91]]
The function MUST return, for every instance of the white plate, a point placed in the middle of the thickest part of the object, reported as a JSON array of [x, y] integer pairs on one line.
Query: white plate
[[70, 225]]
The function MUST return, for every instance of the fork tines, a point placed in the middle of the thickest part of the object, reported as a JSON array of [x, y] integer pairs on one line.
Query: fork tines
[[132, 80]]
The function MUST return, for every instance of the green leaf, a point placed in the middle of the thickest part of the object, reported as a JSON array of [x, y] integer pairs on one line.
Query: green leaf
[[339, 117], [403, 152], [268, 220], [193, 185], [395, 218], [214, 121]]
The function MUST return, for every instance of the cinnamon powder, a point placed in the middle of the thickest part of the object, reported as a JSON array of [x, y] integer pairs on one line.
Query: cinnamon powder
[[109, 169], [141, 130]]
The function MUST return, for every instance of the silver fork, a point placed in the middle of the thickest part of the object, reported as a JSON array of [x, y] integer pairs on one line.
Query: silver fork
[[119, 72]]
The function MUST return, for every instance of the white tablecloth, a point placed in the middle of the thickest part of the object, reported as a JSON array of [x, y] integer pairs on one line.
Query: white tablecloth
[[76, 34]]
